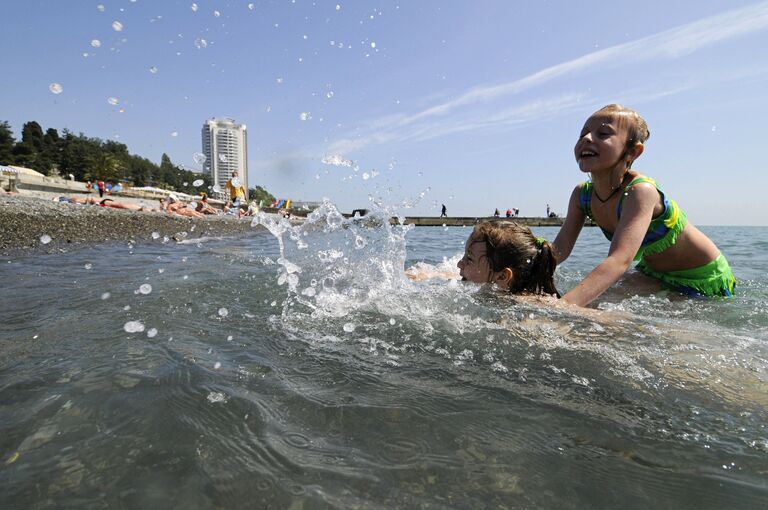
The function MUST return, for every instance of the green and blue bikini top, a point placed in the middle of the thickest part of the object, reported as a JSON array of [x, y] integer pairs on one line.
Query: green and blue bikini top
[[663, 229]]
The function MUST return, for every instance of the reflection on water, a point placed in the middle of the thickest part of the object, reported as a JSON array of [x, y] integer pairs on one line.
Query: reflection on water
[[308, 370]]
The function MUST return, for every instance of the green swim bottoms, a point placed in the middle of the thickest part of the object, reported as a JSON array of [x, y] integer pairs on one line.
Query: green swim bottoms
[[713, 279]]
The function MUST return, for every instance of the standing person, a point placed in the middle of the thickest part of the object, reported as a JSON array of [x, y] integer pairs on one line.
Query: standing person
[[509, 213], [102, 187], [237, 191], [641, 222], [547, 210], [496, 213], [443, 213]]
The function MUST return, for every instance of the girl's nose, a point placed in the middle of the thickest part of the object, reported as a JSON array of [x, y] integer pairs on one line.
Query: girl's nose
[[460, 264]]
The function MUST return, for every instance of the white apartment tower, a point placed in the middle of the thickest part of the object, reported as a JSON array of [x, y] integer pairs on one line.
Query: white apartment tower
[[225, 149]]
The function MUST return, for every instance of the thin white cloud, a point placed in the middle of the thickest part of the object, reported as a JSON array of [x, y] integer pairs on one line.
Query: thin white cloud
[[669, 44]]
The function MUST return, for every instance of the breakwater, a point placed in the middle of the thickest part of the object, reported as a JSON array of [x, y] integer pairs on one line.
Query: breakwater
[[461, 221]]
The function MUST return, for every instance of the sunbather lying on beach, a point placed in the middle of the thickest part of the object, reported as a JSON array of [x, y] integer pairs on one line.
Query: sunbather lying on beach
[[76, 200], [175, 206]]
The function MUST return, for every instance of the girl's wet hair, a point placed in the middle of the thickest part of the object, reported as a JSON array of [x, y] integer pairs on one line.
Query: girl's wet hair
[[637, 128], [509, 244]]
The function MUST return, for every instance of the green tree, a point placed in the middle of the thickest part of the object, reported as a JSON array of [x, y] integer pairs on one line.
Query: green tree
[[32, 134], [104, 165], [258, 193], [7, 141]]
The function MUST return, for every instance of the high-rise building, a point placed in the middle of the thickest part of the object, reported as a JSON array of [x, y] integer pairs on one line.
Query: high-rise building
[[225, 149]]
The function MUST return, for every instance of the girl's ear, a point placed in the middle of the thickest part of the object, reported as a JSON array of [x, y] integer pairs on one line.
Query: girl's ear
[[504, 278], [635, 152]]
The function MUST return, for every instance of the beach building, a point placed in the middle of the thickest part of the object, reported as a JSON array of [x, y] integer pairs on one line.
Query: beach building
[[225, 149]]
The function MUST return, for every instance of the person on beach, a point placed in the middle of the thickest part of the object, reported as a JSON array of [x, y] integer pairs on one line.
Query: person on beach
[[506, 254], [236, 190], [175, 206], [76, 200], [204, 207], [101, 186], [641, 222], [443, 212]]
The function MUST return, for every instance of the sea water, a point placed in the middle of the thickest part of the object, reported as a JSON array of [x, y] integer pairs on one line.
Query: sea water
[[297, 367]]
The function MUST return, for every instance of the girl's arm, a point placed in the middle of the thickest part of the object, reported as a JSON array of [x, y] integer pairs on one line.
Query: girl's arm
[[569, 232], [636, 215]]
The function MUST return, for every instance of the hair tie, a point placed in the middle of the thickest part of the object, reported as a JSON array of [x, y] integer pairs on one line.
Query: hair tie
[[540, 241]]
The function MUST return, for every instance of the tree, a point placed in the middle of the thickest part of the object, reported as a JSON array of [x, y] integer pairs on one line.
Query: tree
[[104, 165], [32, 134], [258, 193], [7, 141]]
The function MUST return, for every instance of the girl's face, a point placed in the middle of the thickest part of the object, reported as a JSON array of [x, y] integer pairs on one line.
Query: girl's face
[[474, 265], [601, 144]]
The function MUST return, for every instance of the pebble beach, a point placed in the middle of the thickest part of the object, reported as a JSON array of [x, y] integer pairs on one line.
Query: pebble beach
[[32, 221]]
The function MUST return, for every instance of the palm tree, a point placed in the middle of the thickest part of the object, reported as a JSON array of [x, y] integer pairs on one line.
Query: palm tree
[[104, 166]]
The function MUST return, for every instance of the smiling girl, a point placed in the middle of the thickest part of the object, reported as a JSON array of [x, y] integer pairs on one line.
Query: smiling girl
[[641, 222]]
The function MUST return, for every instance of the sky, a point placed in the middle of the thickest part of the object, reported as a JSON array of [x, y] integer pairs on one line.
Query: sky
[[475, 105]]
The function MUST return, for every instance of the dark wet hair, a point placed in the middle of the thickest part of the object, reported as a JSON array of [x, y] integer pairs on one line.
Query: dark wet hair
[[531, 259]]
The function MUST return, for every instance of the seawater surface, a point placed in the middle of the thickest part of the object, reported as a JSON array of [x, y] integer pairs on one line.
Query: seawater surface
[[297, 367]]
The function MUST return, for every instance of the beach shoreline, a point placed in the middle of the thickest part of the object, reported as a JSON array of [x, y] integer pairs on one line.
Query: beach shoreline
[[28, 220]]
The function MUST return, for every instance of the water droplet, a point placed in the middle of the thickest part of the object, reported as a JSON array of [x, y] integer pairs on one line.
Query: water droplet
[[366, 176], [153, 70], [392, 322], [145, 288], [251, 7], [199, 158], [714, 128], [100, 8], [334, 219], [89, 266], [360, 242], [174, 134], [201, 43], [229, 338], [223, 312], [95, 43], [152, 333], [117, 26], [56, 88], [338, 7], [105, 295], [279, 81], [373, 45], [133, 327], [305, 116], [216, 14], [155, 235], [223, 158], [113, 101], [45, 239], [193, 7], [329, 94], [349, 327], [217, 365], [216, 188], [197, 183]]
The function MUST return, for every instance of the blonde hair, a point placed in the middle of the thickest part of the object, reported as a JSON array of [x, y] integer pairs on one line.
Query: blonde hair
[[511, 245], [637, 128]]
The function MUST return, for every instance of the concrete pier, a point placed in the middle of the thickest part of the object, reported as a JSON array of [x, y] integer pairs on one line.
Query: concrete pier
[[462, 221]]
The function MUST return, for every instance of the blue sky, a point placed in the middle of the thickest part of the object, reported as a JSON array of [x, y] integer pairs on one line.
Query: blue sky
[[473, 104]]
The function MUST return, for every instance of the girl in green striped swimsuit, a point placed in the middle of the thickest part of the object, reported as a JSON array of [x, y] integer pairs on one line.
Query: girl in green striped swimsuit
[[641, 222]]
